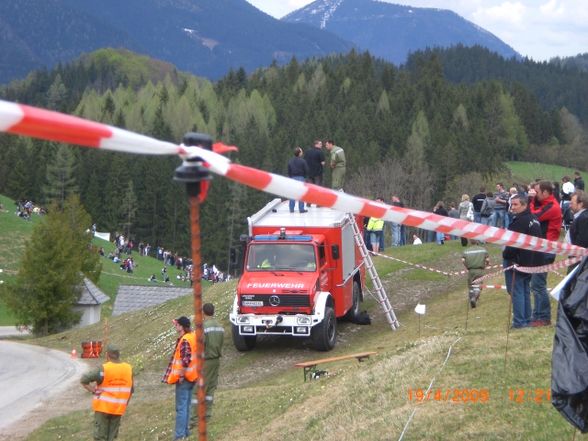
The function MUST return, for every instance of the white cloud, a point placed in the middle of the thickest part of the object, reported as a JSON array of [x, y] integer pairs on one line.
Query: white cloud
[[506, 12]]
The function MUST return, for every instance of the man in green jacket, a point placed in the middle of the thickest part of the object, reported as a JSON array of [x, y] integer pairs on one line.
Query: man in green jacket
[[337, 163], [475, 259], [214, 334]]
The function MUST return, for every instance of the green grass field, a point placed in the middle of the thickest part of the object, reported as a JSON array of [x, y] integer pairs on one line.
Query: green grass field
[[525, 172], [493, 386], [14, 232]]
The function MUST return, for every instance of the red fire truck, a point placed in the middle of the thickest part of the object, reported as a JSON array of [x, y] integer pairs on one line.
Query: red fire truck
[[301, 272]]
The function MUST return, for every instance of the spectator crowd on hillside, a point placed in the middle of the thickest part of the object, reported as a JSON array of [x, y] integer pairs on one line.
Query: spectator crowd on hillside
[[122, 254], [492, 208]]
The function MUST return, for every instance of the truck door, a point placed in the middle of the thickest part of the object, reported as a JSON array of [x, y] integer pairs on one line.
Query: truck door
[[323, 276]]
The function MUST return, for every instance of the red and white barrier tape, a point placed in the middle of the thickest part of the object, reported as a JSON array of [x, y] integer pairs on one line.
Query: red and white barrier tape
[[533, 269], [44, 124], [418, 265], [493, 286]]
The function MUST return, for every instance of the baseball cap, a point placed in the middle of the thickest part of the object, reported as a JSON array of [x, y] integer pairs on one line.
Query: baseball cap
[[113, 349], [183, 321]]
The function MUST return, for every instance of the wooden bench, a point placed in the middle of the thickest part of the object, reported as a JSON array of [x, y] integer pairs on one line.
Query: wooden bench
[[310, 366]]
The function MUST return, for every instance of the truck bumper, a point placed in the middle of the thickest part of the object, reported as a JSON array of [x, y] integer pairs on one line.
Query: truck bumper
[[298, 325]]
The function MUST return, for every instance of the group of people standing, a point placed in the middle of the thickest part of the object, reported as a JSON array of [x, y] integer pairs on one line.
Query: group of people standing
[[309, 167], [535, 212], [112, 384]]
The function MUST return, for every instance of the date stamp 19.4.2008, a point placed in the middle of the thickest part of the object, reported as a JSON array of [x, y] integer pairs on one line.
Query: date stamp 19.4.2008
[[455, 395], [479, 395]]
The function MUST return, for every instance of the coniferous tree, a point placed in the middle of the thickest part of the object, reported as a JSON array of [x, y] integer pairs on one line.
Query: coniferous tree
[[57, 94], [128, 208], [57, 257], [61, 179]]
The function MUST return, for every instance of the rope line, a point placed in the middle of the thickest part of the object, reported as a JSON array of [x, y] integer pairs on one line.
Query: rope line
[[428, 389]]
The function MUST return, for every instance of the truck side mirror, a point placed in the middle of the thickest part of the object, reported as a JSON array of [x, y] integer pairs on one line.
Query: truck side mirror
[[335, 251]]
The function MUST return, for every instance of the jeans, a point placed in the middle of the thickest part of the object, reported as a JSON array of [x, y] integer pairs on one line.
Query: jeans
[[517, 285], [541, 307], [396, 234], [500, 219], [292, 201], [183, 404], [440, 238], [477, 217]]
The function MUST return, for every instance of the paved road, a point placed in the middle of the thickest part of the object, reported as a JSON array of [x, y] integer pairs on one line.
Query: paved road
[[31, 374], [11, 331]]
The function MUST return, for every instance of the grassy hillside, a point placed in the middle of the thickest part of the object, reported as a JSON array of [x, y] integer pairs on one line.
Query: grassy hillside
[[15, 231], [262, 396], [525, 172]]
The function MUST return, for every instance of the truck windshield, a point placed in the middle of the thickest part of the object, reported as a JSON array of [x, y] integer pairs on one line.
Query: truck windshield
[[284, 257]]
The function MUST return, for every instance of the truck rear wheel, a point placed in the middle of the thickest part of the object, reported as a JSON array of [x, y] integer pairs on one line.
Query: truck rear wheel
[[324, 335], [243, 343], [353, 312]]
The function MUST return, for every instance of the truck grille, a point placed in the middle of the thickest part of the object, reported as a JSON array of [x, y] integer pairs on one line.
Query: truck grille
[[277, 300]]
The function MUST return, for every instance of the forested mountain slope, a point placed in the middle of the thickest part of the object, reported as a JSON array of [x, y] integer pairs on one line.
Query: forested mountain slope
[[405, 131], [200, 36], [553, 84]]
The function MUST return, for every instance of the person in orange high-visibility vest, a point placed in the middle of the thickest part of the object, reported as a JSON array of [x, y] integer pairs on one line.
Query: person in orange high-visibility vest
[[181, 371], [112, 387]]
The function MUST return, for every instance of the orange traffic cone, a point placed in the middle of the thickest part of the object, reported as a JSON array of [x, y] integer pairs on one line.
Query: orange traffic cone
[[74, 353]]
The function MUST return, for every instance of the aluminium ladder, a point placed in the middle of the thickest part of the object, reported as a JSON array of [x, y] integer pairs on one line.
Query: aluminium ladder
[[382, 297]]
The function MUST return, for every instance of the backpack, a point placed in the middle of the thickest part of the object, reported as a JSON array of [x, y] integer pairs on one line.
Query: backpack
[[486, 210]]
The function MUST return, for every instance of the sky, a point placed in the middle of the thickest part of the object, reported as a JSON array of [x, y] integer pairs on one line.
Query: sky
[[538, 29]]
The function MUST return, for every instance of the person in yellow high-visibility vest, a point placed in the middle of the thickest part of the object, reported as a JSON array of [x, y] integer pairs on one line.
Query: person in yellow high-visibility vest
[[375, 228], [112, 387]]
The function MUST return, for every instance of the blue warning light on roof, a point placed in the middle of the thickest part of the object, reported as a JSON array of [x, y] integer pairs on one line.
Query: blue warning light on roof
[[292, 238]]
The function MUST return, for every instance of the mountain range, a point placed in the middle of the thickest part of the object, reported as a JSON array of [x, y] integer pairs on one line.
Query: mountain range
[[210, 37], [391, 31], [201, 36]]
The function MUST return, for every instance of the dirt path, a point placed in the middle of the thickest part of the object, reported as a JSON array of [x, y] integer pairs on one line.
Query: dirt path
[[284, 352]]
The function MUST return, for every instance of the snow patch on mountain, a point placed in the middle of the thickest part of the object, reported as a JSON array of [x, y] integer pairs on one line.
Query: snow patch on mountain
[[323, 9]]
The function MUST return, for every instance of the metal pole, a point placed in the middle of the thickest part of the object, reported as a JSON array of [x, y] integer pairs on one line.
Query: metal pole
[[198, 328], [193, 174]]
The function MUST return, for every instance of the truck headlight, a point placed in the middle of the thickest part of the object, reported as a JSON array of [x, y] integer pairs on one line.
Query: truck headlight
[[247, 329], [301, 330], [302, 320], [243, 319]]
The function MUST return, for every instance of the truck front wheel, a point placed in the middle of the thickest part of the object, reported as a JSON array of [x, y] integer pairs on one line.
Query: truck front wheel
[[243, 343], [324, 335]]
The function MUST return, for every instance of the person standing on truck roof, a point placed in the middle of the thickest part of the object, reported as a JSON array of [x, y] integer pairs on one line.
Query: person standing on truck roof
[[298, 170], [181, 371], [338, 165], [112, 387], [214, 335], [315, 158]]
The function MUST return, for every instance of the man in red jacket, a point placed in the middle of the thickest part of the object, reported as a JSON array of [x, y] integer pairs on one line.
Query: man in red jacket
[[546, 208]]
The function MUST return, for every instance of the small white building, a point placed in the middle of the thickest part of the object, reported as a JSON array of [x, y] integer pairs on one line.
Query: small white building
[[90, 303]]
